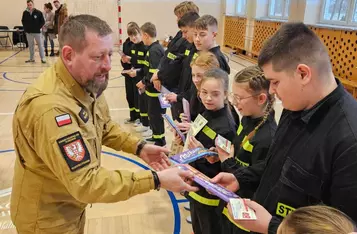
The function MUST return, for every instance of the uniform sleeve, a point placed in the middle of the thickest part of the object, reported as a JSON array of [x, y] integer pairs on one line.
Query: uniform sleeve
[[154, 61], [273, 225], [70, 154], [249, 177], [116, 138], [343, 187]]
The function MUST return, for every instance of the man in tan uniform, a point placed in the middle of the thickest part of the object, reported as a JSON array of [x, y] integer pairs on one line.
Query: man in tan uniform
[[59, 127]]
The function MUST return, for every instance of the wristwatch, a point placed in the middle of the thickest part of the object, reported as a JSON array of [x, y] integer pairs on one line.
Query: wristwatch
[[156, 180], [140, 147]]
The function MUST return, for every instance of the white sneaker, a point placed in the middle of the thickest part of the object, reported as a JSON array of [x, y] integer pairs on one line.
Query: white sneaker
[[147, 134], [188, 219], [141, 129], [187, 206], [136, 123]]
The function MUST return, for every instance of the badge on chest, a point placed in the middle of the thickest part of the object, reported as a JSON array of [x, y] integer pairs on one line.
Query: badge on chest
[[83, 114]]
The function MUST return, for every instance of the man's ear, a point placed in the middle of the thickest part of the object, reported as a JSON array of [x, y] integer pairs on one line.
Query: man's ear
[[67, 55], [303, 73]]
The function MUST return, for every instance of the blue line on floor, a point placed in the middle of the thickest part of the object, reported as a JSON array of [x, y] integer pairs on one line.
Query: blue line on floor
[[1, 62]]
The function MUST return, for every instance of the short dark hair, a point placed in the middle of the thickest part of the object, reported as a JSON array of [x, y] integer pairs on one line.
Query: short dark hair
[[73, 32], [149, 28], [205, 21], [292, 44], [188, 20], [28, 1], [133, 29]]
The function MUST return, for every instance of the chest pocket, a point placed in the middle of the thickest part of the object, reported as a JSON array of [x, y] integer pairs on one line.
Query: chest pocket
[[299, 186]]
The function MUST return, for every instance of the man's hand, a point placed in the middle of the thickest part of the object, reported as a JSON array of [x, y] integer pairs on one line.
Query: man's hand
[[223, 155], [155, 156], [261, 224], [227, 180], [154, 77], [194, 143], [171, 97], [212, 159], [176, 180]]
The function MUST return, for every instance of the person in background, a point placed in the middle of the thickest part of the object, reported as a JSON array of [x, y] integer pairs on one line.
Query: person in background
[[61, 16], [33, 21], [48, 31]]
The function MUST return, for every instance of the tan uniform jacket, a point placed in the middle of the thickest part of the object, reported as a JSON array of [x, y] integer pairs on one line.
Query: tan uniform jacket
[[58, 132]]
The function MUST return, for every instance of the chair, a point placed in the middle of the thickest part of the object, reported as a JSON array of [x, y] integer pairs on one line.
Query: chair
[[18, 37], [5, 35]]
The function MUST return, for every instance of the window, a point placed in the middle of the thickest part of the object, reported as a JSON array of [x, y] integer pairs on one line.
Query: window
[[241, 7], [236, 7], [339, 12], [279, 9]]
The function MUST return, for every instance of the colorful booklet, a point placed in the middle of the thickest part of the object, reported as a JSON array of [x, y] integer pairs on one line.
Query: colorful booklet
[[173, 126], [186, 109], [164, 103], [191, 155], [214, 189], [223, 143]]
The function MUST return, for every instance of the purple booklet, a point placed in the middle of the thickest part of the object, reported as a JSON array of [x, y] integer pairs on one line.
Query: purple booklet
[[173, 126], [191, 155], [164, 102], [214, 189]]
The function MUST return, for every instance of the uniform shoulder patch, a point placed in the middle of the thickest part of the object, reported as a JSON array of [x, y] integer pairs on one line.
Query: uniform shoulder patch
[[83, 114], [63, 120], [74, 151]]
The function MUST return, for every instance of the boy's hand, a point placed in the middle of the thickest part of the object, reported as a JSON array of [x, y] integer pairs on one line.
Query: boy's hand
[[223, 155], [140, 85], [171, 97], [132, 73], [157, 84]]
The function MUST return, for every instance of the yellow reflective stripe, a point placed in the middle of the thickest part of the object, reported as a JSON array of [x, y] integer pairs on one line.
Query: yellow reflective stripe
[[283, 210], [153, 70], [247, 146], [141, 62], [194, 56], [132, 51], [244, 164], [132, 109], [171, 56], [225, 212], [144, 114], [140, 53], [147, 53], [137, 110], [203, 200], [240, 129], [158, 136], [152, 94], [187, 52], [209, 132]]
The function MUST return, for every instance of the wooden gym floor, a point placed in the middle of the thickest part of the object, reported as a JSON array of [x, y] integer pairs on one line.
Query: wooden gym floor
[[154, 212]]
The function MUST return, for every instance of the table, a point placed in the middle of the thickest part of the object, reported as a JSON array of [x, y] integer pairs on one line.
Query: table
[[21, 35]]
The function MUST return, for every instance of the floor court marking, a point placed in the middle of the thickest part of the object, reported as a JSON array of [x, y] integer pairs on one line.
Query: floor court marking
[[174, 201], [10, 57]]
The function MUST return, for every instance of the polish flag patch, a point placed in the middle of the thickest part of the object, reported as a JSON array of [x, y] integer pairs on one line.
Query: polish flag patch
[[63, 120]]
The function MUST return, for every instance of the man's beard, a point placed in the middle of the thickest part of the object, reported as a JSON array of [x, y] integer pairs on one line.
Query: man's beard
[[95, 87]]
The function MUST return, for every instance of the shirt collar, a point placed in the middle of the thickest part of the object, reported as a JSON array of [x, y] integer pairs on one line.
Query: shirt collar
[[322, 106], [71, 84]]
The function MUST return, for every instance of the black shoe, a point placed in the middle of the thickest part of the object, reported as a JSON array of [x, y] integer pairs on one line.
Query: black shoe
[[52, 54], [46, 53], [30, 61]]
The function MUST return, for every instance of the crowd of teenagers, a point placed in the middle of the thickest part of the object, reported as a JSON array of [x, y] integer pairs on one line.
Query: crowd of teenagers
[[299, 176]]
